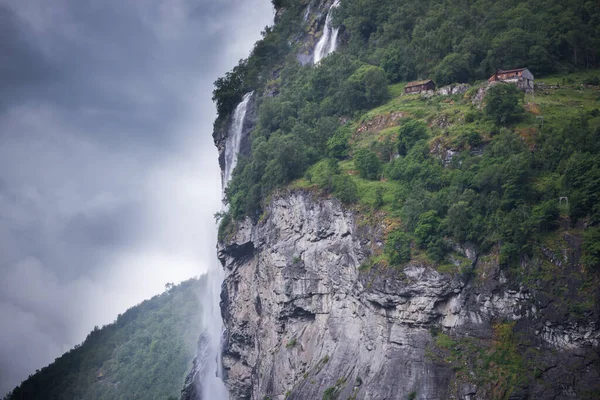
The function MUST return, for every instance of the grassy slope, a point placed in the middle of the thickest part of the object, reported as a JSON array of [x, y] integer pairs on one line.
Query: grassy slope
[[555, 105]]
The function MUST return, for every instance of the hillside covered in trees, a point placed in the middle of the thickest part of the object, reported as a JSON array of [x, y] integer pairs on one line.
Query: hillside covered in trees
[[145, 354], [507, 173]]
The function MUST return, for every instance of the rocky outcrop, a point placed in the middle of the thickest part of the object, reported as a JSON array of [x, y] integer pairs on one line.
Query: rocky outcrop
[[192, 388], [315, 15], [306, 317]]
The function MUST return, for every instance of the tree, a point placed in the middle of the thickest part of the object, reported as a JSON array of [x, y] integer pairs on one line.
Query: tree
[[427, 228], [502, 104], [397, 247], [337, 145], [398, 63], [453, 68], [410, 133], [368, 164], [345, 189], [591, 248]]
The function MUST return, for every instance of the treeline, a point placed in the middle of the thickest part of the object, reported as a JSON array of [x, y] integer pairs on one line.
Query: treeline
[[460, 41], [144, 354], [452, 41]]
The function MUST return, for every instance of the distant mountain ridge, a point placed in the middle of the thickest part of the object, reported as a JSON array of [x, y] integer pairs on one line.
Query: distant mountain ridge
[[144, 354]]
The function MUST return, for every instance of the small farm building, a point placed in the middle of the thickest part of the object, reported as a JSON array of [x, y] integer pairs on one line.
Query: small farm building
[[419, 86], [522, 77]]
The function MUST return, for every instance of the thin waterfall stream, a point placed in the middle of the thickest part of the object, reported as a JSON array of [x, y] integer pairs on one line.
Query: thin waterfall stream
[[327, 44], [213, 387]]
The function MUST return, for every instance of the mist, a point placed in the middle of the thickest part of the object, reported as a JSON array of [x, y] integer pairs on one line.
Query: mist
[[108, 176]]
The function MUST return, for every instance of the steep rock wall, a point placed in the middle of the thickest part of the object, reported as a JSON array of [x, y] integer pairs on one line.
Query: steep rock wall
[[303, 319]]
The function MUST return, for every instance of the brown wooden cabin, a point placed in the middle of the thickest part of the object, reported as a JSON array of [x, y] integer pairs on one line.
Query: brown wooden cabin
[[419, 86], [521, 76]]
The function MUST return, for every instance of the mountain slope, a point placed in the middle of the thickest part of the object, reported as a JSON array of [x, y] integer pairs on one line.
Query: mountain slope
[[444, 245], [144, 354]]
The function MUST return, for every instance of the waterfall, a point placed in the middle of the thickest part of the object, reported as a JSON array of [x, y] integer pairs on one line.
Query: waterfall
[[234, 139], [213, 387], [307, 13], [328, 42]]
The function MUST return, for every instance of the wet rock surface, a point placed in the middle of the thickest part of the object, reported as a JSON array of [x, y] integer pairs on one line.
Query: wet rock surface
[[303, 317]]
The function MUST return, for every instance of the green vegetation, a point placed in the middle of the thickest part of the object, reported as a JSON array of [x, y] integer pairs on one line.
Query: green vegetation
[[447, 172], [144, 354], [502, 104], [496, 366]]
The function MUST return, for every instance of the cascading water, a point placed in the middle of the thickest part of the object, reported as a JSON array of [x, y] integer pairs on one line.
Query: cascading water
[[212, 385], [307, 13], [328, 42], [234, 139]]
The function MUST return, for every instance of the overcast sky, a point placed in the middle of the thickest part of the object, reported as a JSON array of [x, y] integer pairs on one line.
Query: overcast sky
[[108, 176]]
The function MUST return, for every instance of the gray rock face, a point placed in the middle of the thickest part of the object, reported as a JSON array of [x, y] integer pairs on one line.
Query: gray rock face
[[449, 90], [304, 319], [315, 15], [192, 388]]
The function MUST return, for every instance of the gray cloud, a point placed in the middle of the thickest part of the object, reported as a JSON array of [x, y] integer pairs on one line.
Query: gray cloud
[[108, 176]]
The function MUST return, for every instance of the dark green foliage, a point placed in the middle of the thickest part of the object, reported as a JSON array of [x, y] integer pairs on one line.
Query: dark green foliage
[[470, 40], [502, 104], [367, 163], [345, 189], [411, 132], [454, 67], [330, 393], [397, 247], [591, 248], [397, 62], [144, 354], [365, 88], [337, 145]]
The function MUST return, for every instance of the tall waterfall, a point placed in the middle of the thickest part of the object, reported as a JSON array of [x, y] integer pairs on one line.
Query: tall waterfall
[[234, 139], [212, 385], [328, 42]]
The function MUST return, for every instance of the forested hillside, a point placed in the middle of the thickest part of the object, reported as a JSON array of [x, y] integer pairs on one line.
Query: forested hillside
[[144, 354], [507, 173]]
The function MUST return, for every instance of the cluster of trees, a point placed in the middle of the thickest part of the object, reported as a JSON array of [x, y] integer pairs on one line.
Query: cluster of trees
[[459, 41], [506, 196], [301, 126], [144, 354]]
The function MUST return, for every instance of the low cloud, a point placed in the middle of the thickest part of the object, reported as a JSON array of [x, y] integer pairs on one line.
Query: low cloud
[[108, 175]]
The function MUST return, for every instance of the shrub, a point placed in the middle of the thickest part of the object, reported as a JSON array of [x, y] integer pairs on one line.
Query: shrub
[[410, 133], [368, 164], [591, 248], [345, 189], [502, 104], [397, 247]]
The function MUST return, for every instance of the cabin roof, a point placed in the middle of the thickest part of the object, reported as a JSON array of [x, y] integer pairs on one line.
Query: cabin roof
[[418, 83], [508, 71]]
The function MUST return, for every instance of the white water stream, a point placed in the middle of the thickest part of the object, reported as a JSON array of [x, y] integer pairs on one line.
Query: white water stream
[[328, 42], [213, 387]]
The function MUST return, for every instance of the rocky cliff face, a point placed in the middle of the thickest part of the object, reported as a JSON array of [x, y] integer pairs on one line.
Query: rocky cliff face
[[305, 321], [310, 314]]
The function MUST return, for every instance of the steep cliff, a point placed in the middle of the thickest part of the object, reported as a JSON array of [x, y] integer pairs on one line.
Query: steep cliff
[[380, 245], [304, 319]]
